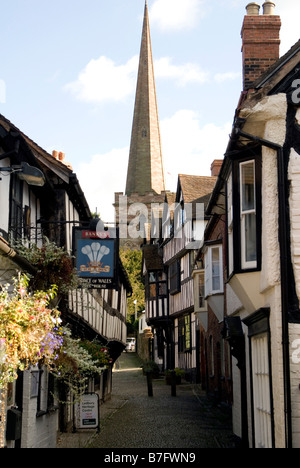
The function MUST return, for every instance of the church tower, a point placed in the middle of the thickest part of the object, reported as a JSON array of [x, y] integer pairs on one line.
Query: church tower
[[145, 176]]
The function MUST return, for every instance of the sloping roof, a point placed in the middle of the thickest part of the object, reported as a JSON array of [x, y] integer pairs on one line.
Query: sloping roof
[[37, 150], [285, 66], [50, 164], [280, 63], [170, 197], [195, 187]]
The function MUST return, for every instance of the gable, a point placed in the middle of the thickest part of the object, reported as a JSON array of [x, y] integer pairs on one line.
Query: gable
[[194, 187]]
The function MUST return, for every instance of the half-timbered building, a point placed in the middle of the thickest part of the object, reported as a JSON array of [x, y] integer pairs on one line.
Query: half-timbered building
[[210, 305], [41, 198], [168, 266]]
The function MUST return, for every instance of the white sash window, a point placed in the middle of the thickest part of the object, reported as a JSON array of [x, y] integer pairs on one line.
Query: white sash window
[[248, 215], [214, 270]]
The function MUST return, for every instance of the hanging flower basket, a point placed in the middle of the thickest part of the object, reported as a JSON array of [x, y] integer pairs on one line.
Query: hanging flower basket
[[54, 266], [29, 330]]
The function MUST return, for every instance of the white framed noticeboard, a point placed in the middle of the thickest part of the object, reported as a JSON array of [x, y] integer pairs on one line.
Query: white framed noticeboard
[[87, 412]]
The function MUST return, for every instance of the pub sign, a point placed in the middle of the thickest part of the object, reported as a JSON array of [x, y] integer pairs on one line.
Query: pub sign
[[96, 256]]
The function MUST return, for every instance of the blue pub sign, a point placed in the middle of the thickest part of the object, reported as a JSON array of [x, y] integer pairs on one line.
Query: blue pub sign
[[96, 255]]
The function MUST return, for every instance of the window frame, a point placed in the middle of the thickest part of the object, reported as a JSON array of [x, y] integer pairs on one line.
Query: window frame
[[16, 220], [209, 270], [247, 264], [185, 334], [200, 303], [157, 285], [175, 277], [235, 240]]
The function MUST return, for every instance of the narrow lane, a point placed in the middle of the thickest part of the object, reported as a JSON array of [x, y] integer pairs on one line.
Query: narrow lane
[[137, 421]]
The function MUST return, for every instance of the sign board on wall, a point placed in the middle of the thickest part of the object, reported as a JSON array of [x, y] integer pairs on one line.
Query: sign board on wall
[[97, 255], [87, 412]]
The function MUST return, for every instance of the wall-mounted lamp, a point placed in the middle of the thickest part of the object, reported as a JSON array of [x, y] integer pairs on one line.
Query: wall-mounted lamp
[[30, 174]]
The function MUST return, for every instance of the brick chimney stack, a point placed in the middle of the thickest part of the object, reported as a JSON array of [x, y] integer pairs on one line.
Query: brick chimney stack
[[216, 167], [261, 41]]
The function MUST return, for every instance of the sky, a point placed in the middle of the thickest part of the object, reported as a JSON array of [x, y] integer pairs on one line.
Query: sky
[[68, 72]]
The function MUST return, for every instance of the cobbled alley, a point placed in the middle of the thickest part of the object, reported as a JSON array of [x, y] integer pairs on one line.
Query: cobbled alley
[[132, 419]]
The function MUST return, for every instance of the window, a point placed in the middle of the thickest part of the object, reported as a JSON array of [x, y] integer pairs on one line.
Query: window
[[157, 285], [16, 211], [243, 194], [248, 215], [27, 222], [214, 270], [167, 225], [201, 290], [179, 218], [200, 304], [230, 224], [192, 255], [184, 334], [174, 274]]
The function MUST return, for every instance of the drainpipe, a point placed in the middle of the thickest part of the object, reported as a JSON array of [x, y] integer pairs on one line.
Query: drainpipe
[[283, 241]]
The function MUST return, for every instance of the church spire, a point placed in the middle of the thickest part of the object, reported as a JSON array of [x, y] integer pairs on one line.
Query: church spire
[[145, 167]]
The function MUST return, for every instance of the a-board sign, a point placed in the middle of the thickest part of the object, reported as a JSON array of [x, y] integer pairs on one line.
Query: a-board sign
[[87, 412]]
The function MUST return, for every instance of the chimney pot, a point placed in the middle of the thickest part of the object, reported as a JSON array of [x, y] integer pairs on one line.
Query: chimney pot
[[55, 154], [61, 156], [253, 9], [269, 8], [260, 43]]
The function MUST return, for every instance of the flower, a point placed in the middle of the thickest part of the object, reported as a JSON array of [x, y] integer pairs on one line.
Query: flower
[[99, 353], [27, 330]]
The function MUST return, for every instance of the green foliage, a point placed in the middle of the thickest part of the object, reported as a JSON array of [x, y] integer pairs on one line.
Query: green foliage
[[78, 361], [54, 265], [98, 351], [152, 367], [178, 372], [132, 261]]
